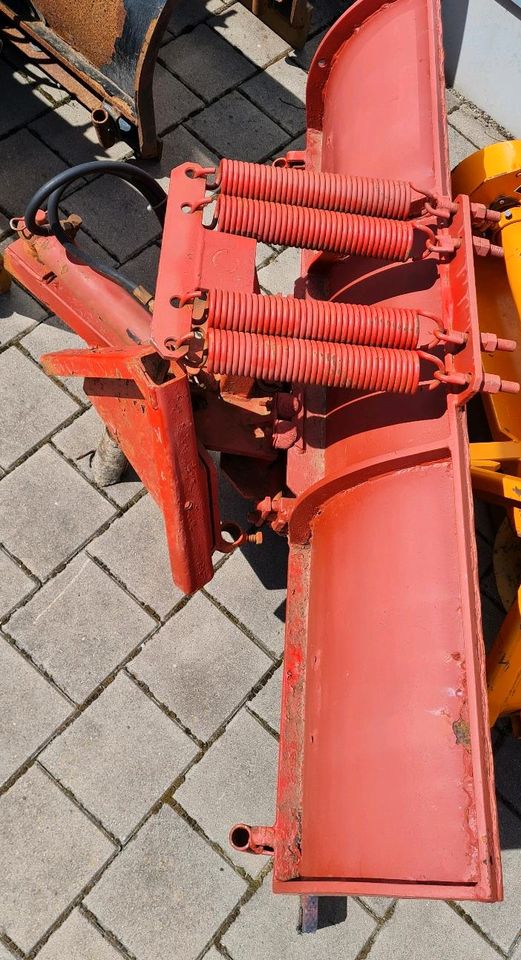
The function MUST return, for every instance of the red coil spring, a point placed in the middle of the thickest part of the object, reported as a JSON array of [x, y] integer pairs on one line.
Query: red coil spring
[[339, 233], [313, 319], [282, 359], [307, 188]]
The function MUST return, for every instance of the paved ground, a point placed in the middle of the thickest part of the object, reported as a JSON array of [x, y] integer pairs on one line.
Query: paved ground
[[137, 725]]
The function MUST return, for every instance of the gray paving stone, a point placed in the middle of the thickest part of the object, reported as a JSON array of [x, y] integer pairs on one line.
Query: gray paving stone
[[179, 146], [205, 62], [188, 13], [134, 549], [280, 91], [200, 665], [49, 851], [473, 127], [267, 702], [172, 100], [267, 928], [79, 626], [68, 131], [18, 312], [51, 336], [502, 921], [167, 892], [20, 106], [235, 128], [14, 584], [26, 165], [326, 12], [299, 143], [31, 406], [280, 275], [30, 710], [77, 939], [378, 905], [143, 268], [253, 588], [119, 756], [116, 215], [517, 952], [252, 37], [79, 441], [423, 928], [235, 782], [452, 99], [459, 147], [6, 954], [43, 88], [304, 56], [47, 511]]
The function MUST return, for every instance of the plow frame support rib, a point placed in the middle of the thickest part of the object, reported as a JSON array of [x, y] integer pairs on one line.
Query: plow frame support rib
[[147, 408]]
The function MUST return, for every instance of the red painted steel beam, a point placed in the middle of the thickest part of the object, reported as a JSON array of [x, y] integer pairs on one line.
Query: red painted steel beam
[[385, 772]]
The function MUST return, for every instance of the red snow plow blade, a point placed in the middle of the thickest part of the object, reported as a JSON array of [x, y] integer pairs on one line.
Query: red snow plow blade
[[341, 414]]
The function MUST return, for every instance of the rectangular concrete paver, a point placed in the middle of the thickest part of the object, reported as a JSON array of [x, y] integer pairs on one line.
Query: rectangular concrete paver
[[502, 921], [188, 13], [472, 126], [236, 128], [6, 954], [173, 101], [79, 626], [49, 851], [51, 336], [77, 939], [107, 202], [459, 146], [142, 268], [378, 905], [252, 37], [30, 709], [18, 313], [119, 756], [68, 130], [206, 63], [280, 274], [252, 586], [69, 511], [266, 703], [31, 406], [267, 928], [167, 892], [180, 146], [200, 665], [20, 106], [281, 92], [134, 549], [79, 442], [421, 928], [30, 163], [234, 783], [15, 584]]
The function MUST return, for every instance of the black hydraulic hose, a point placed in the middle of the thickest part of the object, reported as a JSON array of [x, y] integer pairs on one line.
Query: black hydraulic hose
[[142, 181], [52, 191]]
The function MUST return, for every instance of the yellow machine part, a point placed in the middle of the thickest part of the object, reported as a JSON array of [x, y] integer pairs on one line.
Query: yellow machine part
[[493, 177], [487, 177]]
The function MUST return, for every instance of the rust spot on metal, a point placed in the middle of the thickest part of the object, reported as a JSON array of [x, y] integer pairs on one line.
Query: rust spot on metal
[[92, 27], [461, 732]]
